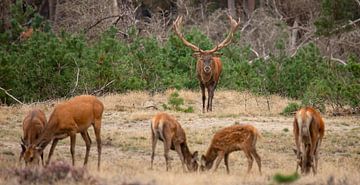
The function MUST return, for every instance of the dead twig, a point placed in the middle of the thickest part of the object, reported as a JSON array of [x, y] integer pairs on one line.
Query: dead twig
[[103, 87], [102, 19], [7, 93]]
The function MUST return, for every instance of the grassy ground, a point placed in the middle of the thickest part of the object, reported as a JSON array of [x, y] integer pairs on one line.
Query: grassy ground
[[126, 141]]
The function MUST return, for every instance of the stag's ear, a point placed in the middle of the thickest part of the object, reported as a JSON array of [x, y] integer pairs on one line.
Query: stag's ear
[[217, 54], [196, 55]]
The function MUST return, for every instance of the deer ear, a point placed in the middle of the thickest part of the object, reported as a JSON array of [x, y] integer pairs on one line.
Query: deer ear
[[295, 150], [203, 161], [216, 54]]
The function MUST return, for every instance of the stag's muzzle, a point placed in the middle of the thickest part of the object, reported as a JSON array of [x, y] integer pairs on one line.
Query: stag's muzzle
[[207, 69]]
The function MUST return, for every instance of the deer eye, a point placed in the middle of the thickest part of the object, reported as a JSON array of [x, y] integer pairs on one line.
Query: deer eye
[[31, 159]]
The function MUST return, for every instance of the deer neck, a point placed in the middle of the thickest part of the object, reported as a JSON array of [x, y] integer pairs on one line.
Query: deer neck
[[211, 155], [46, 135], [186, 153]]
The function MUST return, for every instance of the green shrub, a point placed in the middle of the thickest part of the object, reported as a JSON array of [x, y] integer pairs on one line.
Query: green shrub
[[290, 109], [281, 178], [176, 103]]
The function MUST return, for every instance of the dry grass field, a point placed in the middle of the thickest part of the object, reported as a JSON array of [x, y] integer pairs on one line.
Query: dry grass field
[[126, 142]]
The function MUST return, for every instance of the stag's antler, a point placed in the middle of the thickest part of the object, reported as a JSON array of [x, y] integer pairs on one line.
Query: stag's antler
[[176, 27], [234, 25]]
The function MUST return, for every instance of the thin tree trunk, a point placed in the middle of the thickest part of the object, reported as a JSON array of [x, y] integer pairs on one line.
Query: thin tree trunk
[[231, 7], [5, 15], [251, 7], [294, 35], [52, 9]]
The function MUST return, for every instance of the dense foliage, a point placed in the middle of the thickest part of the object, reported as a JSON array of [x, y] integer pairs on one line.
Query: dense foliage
[[48, 66]]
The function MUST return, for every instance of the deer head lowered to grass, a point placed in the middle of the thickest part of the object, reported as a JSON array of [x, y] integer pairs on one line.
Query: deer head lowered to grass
[[69, 118], [33, 125], [167, 129], [309, 129], [208, 66], [228, 140]]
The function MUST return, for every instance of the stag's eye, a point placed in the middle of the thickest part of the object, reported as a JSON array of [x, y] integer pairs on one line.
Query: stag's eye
[[31, 159]]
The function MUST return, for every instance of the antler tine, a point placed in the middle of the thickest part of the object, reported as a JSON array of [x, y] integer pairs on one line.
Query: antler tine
[[176, 27], [233, 26]]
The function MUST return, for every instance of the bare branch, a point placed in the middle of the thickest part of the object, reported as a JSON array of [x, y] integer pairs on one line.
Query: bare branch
[[358, 2], [103, 87], [7, 93], [102, 19], [337, 60]]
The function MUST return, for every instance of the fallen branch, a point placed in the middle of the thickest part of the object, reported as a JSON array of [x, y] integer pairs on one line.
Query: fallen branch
[[7, 93], [103, 87], [337, 60], [344, 26], [102, 19]]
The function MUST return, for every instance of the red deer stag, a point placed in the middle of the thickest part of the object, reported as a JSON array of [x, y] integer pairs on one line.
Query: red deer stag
[[68, 118], [308, 130], [33, 124], [230, 139], [208, 66], [168, 130]]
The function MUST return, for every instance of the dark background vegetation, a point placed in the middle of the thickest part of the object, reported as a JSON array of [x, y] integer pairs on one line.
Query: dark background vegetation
[[306, 50]]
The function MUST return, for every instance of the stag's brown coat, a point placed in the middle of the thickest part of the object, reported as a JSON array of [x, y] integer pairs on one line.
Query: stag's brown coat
[[208, 66], [33, 124], [69, 118], [309, 129], [230, 139], [167, 129]]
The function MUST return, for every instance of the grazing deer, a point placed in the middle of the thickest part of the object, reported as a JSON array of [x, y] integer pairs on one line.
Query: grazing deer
[[33, 124], [308, 130], [230, 139], [68, 118], [208, 66], [168, 130]]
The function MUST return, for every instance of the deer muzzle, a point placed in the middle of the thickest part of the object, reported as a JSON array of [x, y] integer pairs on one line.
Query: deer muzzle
[[207, 69]]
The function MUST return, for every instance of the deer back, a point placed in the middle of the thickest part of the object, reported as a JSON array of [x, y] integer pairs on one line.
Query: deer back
[[33, 125]]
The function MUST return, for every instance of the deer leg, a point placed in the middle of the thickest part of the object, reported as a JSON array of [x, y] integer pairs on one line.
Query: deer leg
[[250, 160], [72, 146], [21, 155], [212, 89], [317, 154], [53, 145], [257, 159], [218, 160], [85, 136], [209, 99], [167, 145], [42, 158], [97, 130], [202, 86], [154, 139], [226, 161], [178, 150]]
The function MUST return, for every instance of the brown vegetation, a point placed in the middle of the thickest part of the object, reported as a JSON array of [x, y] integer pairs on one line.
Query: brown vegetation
[[168, 130], [230, 139], [69, 118], [309, 131]]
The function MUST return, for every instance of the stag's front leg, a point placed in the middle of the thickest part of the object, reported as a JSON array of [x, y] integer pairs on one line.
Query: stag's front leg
[[211, 95], [202, 86]]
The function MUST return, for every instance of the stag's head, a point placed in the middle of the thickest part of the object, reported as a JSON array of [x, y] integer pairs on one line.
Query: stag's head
[[193, 165], [206, 56]]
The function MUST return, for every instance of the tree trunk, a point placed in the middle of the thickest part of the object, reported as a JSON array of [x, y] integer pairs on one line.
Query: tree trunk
[[52, 9], [231, 7], [251, 7], [5, 15], [294, 35]]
